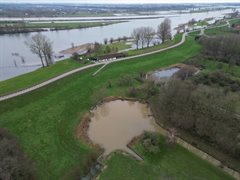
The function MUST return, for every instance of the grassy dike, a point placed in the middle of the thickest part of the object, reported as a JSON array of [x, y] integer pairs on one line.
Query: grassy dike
[[30, 79], [45, 120]]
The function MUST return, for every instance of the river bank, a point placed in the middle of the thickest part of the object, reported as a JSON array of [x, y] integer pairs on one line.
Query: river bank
[[63, 39], [23, 27]]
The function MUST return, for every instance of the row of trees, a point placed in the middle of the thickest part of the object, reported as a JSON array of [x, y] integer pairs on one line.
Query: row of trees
[[200, 110], [40, 45], [145, 35], [111, 40], [225, 48]]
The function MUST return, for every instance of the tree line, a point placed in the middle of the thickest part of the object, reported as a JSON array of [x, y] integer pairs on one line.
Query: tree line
[[145, 35], [224, 48], [201, 110]]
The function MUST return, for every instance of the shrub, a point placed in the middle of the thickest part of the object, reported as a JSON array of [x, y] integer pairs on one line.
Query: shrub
[[224, 48], [185, 72], [125, 81], [218, 78], [150, 89], [132, 92], [201, 110], [14, 164], [75, 56], [109, 84], [151, 142]]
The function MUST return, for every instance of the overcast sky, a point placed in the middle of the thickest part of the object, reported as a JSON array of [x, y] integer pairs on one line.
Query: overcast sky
[[118, 1]]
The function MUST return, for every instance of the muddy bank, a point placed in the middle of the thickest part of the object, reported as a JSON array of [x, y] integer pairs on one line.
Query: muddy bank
[[115, 123], [78, 49], [81, 131]]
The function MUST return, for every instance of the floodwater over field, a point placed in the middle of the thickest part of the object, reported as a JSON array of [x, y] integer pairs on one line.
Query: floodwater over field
[[114, 124], [13, 44]]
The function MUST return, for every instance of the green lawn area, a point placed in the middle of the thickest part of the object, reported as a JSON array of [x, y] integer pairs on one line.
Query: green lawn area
[[44, 120], [176, 40], [218, 31], [169, 163], [27, 80], [68, 25], [111, 48], [202, 23], [216, 66], [120, 45], [235, 21]]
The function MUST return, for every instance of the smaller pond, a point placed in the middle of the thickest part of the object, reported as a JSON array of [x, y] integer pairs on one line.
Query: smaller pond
[[114, 124], [165, 73], [162, 76]]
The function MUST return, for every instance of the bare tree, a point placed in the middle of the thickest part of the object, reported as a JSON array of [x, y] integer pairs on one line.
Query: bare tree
[[125, 38], [119, 39], [111, 40], [42, 47], [35, 45], [192, 22], [149, 35], [164, 30], [136, 36], [142, 35], [47, 51], [105, 41], [72, 44]]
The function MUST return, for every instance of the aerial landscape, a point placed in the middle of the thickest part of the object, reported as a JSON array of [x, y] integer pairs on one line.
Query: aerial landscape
[[119, 90]]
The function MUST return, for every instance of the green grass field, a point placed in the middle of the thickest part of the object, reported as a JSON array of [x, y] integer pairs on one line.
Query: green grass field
[[44, 120], [111, 48], [235, 21], [38, 76], [218, 31], [69, 25], [212, 66], [202, 23], [169, 163], [120, 45]]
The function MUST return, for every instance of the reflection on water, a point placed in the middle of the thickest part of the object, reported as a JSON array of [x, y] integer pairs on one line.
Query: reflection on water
[[115, 123], [15, 43], [165, 73]]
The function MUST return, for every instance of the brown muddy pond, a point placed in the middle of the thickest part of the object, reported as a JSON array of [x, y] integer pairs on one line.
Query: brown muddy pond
[[114, 124]]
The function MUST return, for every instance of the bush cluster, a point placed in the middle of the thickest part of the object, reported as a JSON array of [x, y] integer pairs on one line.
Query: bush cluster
[[201, 110]]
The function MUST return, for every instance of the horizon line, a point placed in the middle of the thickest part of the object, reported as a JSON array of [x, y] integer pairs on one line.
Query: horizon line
[[121, 3]]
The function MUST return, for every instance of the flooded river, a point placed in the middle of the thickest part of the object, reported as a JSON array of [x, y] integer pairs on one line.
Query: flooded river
[[114, 124], [15, 43]]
